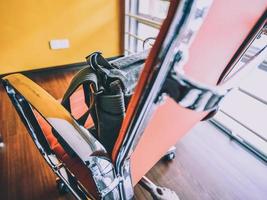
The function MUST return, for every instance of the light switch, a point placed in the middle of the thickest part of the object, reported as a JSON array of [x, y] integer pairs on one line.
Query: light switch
[[59, 44]]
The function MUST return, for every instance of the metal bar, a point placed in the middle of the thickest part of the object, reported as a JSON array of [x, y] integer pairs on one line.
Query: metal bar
[[134, 36], [135, 11], [145, 20], [151, 17], [128, 51], [133, 24], [127, 25]]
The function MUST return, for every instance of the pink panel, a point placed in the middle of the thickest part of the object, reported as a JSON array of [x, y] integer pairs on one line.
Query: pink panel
[[227, 25]]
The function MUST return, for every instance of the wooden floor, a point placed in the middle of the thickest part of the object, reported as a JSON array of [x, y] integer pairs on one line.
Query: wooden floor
[[208, 164]]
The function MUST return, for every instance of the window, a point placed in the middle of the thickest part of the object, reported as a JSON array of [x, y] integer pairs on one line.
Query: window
[[143, 19]]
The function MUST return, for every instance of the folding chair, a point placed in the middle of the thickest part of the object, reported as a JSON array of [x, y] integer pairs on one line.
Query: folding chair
[[90, 172]]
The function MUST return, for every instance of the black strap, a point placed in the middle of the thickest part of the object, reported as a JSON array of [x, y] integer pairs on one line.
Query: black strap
[[88, 79]]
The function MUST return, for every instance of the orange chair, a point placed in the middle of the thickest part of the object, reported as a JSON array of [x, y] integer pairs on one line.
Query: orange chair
[[96, 175]]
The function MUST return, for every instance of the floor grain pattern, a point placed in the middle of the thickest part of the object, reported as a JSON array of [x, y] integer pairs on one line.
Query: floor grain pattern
[[208, 165]]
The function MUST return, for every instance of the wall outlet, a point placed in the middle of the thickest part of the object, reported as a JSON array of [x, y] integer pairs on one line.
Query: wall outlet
[[59, 44]]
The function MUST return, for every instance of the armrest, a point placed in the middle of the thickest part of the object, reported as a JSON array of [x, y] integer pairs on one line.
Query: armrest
[[78, 138]]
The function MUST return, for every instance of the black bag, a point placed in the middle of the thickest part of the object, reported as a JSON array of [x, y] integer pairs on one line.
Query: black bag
[[108, 87]]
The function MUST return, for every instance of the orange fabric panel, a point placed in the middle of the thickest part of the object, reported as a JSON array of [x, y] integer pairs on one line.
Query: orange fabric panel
[[169, 123], [78, 98], [78, 107]]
